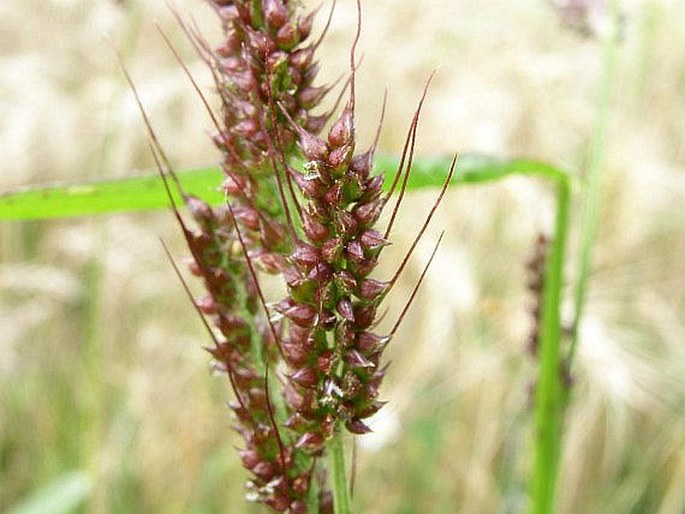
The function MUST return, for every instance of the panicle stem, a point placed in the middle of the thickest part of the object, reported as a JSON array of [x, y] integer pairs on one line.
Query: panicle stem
[[592, 185], [339, 482], [549, 393]]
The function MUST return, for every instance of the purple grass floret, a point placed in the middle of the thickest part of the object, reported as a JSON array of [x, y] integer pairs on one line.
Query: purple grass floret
[[311, 362], [262, 60], [332, 304], [265, 59]]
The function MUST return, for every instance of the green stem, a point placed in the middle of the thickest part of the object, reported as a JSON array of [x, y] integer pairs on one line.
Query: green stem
[[590, 217], [341, 491], [551, 398], [549, 394], [313, 497]]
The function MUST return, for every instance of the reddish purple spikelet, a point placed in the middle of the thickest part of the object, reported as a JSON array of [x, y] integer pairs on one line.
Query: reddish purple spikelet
[[262, 63], [323, 329], [336, 223], [341, 204], [257, 67]]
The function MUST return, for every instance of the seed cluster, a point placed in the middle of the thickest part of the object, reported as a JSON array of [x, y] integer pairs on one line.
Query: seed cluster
[[281, 473], [331, 349], [311, 224], [263, 61]]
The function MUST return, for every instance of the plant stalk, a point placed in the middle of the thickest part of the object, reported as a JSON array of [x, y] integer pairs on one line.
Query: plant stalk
[[550, 394], [590, 216], [339, 484]]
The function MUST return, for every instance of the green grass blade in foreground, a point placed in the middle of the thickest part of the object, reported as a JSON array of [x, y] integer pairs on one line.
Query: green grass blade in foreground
[[62, 496], [145, 192], [472, 168], [136, 193]]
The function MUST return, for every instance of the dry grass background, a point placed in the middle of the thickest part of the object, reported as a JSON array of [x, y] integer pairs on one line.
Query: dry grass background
[[101, 367]]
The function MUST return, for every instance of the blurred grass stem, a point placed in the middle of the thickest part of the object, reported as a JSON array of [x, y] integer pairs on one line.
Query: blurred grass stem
[[549, 394], [592, 189]]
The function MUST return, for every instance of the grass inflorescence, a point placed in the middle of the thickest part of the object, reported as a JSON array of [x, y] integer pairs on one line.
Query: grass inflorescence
[[304, 367], [313, 224]]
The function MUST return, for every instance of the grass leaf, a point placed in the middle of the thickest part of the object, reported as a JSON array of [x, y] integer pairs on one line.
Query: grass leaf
[[145, 192], [61, 496]]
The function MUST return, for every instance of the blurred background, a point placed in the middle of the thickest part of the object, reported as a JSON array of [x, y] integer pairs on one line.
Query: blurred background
[[106, 392]]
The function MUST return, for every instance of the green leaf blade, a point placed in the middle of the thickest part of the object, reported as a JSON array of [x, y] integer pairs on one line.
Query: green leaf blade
[[130, 194], [61, 496], [146, 191]]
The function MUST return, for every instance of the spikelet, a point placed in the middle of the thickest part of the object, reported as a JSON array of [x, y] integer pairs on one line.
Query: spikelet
[[264, 60], [325, 334], [332, 302]]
